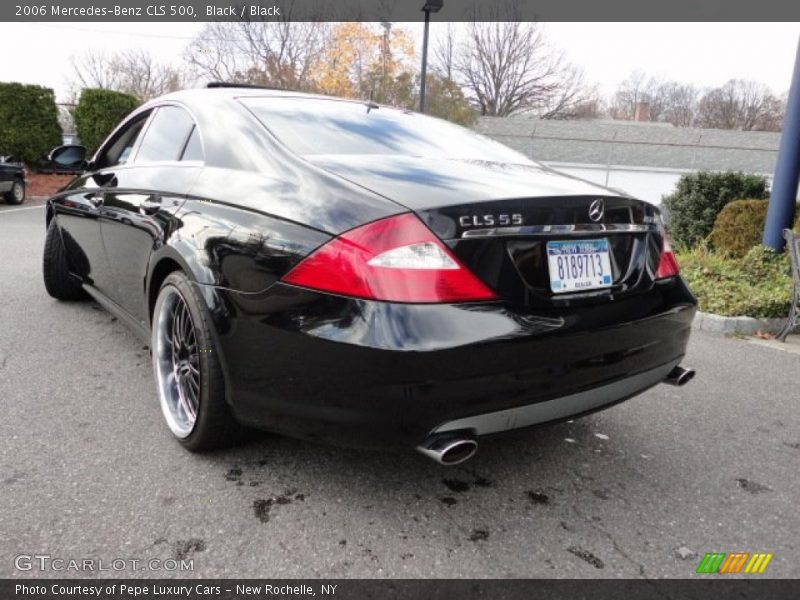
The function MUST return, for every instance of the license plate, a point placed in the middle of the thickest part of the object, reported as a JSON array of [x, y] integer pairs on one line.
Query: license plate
[[578, 265]]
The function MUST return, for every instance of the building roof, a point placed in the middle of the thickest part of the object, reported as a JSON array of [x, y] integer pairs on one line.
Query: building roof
[[630, 143]]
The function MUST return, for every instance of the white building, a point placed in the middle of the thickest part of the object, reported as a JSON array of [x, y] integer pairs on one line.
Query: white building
[[644, 159]]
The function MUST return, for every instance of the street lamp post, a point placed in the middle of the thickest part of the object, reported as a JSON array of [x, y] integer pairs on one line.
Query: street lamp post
[[431, 6]]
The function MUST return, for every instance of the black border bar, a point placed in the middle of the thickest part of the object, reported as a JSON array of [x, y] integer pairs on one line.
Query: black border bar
[[701, 588], [399, 10]]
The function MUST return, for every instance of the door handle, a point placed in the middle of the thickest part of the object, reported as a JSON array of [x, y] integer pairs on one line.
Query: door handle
[[150, 206]]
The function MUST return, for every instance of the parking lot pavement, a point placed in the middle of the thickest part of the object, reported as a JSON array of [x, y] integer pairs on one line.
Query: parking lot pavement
[[88, 470]]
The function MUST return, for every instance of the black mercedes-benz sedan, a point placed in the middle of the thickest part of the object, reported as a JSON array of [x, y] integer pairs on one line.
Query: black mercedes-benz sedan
[[346, 272]]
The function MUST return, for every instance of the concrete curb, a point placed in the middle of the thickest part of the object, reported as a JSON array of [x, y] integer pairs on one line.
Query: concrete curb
[[735, 325]]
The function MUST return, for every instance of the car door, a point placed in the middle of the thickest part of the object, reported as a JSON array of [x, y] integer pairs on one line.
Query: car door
[[140, 207], [80, 211]]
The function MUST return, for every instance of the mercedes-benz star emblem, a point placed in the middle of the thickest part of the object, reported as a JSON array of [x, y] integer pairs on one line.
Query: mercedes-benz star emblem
[[596, 210]]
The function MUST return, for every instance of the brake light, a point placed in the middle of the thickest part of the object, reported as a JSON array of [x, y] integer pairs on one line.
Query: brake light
[[397, 259], [667, 264]]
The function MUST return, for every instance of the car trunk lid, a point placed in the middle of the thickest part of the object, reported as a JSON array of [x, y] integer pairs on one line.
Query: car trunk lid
[[498, 219]]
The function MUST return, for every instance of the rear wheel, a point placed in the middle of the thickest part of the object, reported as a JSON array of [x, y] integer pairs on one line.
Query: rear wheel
[[189, 378], [16, 195], [55, 267]]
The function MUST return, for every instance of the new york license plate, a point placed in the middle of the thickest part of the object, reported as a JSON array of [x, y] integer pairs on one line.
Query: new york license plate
[[578, 265]]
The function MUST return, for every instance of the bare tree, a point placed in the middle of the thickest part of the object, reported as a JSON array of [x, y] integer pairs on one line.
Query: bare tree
[[444, 52], [587, 105], [91, 70], [278, 53], [741, 104], [669, 101], [134, 72], [507, 67], [635, 89], [680, 103]]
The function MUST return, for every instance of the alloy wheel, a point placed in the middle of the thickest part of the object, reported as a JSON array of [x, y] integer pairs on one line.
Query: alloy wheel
[[176, 361]]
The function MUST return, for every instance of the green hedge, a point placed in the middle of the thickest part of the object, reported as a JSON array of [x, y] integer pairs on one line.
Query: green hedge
[[97, 114], [699, 197], [29, 126]]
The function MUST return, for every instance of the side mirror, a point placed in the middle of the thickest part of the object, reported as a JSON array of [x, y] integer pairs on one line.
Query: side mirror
[[70, 156]]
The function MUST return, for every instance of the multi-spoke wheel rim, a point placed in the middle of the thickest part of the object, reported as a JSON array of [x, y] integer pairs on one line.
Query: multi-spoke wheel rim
[[19, 192], [176, 360]]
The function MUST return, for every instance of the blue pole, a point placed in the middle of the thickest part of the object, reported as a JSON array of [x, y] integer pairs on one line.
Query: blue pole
[[780, 212]]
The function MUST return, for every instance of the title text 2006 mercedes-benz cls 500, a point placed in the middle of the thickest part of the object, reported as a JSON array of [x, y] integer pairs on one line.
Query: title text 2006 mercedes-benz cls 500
[[352, 273]]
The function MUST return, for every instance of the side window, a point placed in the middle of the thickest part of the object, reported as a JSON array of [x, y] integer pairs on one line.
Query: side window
[[166, 135], [194, 147], [119, 152]]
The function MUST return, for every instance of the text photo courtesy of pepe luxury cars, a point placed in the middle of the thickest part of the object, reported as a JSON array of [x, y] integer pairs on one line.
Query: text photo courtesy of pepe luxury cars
[[457, 294]]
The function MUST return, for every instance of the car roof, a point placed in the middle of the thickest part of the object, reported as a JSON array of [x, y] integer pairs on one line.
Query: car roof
[[195, 96]]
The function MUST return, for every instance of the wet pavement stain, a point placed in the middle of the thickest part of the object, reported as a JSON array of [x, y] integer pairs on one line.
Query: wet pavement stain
[[538, 497], [186, 548], [479, 535], [234, 474], [449, 501], [456, 485], [752, 487], [262, 507], [586, 556]]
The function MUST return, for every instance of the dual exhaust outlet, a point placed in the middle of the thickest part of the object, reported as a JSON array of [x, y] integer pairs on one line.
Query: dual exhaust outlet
[[452, 448]]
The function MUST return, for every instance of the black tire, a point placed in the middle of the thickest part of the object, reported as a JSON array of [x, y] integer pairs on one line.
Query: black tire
[[16, 195], [57, 279], [214, 426]]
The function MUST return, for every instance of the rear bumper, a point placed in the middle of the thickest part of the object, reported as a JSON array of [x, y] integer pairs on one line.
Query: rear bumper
[[558, 408], [375, 374]]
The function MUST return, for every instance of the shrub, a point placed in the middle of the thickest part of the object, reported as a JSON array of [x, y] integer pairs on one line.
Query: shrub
[[758, 285], [740, 227], [699, 197], [97, 114], [29, 126]]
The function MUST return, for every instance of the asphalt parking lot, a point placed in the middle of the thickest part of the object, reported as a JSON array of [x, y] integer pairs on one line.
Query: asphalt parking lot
[[88, 469]]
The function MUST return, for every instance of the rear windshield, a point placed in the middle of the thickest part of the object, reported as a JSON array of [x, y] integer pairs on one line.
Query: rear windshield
[[317, 126]]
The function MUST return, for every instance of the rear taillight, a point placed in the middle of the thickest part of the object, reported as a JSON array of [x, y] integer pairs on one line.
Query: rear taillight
[[397, 259], [667, 264]]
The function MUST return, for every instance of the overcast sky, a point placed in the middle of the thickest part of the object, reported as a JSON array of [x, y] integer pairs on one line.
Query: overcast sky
[[706, 54]]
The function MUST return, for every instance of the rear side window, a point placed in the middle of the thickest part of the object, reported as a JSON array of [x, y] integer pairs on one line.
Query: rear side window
[[166, 135]]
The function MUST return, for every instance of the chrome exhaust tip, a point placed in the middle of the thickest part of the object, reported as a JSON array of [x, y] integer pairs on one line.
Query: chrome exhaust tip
[[679, 376], [449, 448]]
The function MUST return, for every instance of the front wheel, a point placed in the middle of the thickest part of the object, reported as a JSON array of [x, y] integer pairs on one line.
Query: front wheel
[[55, 267], [186, 365], [16, 195]]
